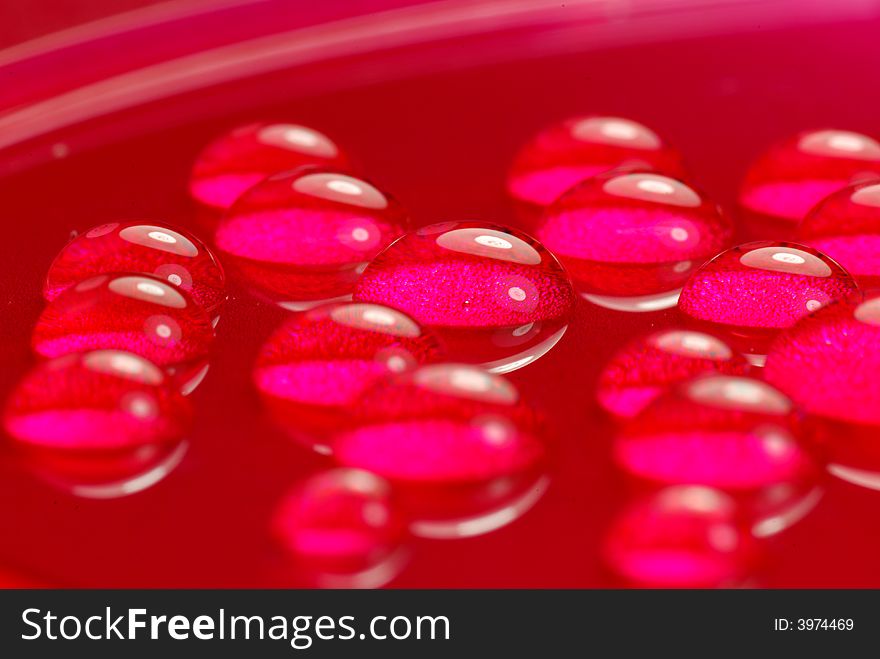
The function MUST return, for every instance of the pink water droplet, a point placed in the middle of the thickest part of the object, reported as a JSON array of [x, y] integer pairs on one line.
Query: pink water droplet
[[829, 363], [793, 175], [102, 424], [681, 537], [304, 236], [751, 292], [846, 227], [246, 155], [630, 240], [581, 147], [341, 521], [138, 313], [732, 433], [170, 253], [494, 295], [651, 365], [441, 424], [313, 367]]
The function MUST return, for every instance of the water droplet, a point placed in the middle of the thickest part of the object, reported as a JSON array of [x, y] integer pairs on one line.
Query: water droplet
[[138, 313], [751, 292], [793, 175], [681, 537], [828, 363], [297, 239], [245, 156], [476, 285], [440, 424], [100, 424], [341, 521], [846, 227], [313, 367], [623, 237], [732, 433], [572, 151], [170, 253], [651, 365]]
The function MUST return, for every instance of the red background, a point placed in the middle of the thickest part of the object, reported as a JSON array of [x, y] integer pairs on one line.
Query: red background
[[436, 122]]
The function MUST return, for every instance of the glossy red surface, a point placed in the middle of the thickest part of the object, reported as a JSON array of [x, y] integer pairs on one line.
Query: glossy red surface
[[630, 240], [846, 226], [433, 105], [651, 365], [314, 367], [303, 237], [174, 255], [752, 291]]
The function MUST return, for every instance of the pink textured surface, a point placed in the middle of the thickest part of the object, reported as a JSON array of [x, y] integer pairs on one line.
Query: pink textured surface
[[310, 227], [441, 424], [793, 175], [753, 290], [314, 366], [155, 248], [609, 225], [681, 537], [247, 154], [652, 364], [138, 313], [573, 150], [103, 400], [340, 520]]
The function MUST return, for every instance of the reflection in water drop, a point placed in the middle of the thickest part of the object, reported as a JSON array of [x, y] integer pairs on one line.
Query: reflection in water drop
[[732, 433], [477, 286], [342, 526], [651, 365], [681, 537], [846, 226], [137, 313], [243, 157], [100, 424], [303, 237], [579, 148], [631, 239], [169, 253], [793, 175], [753, 291], [313, 367], [828, 363]]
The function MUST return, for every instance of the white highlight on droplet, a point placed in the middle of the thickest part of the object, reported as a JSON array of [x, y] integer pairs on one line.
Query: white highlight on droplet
[[516, 293], [300, 136], [175, 279], [846, 142], [360, 234], [620, 130], [162, 237], [345, 187], [163, 330], [470, 380], [812, 305], [655, 186], [788, 257], [679, 234], [379, 317], [493, 241], [149, 288]]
